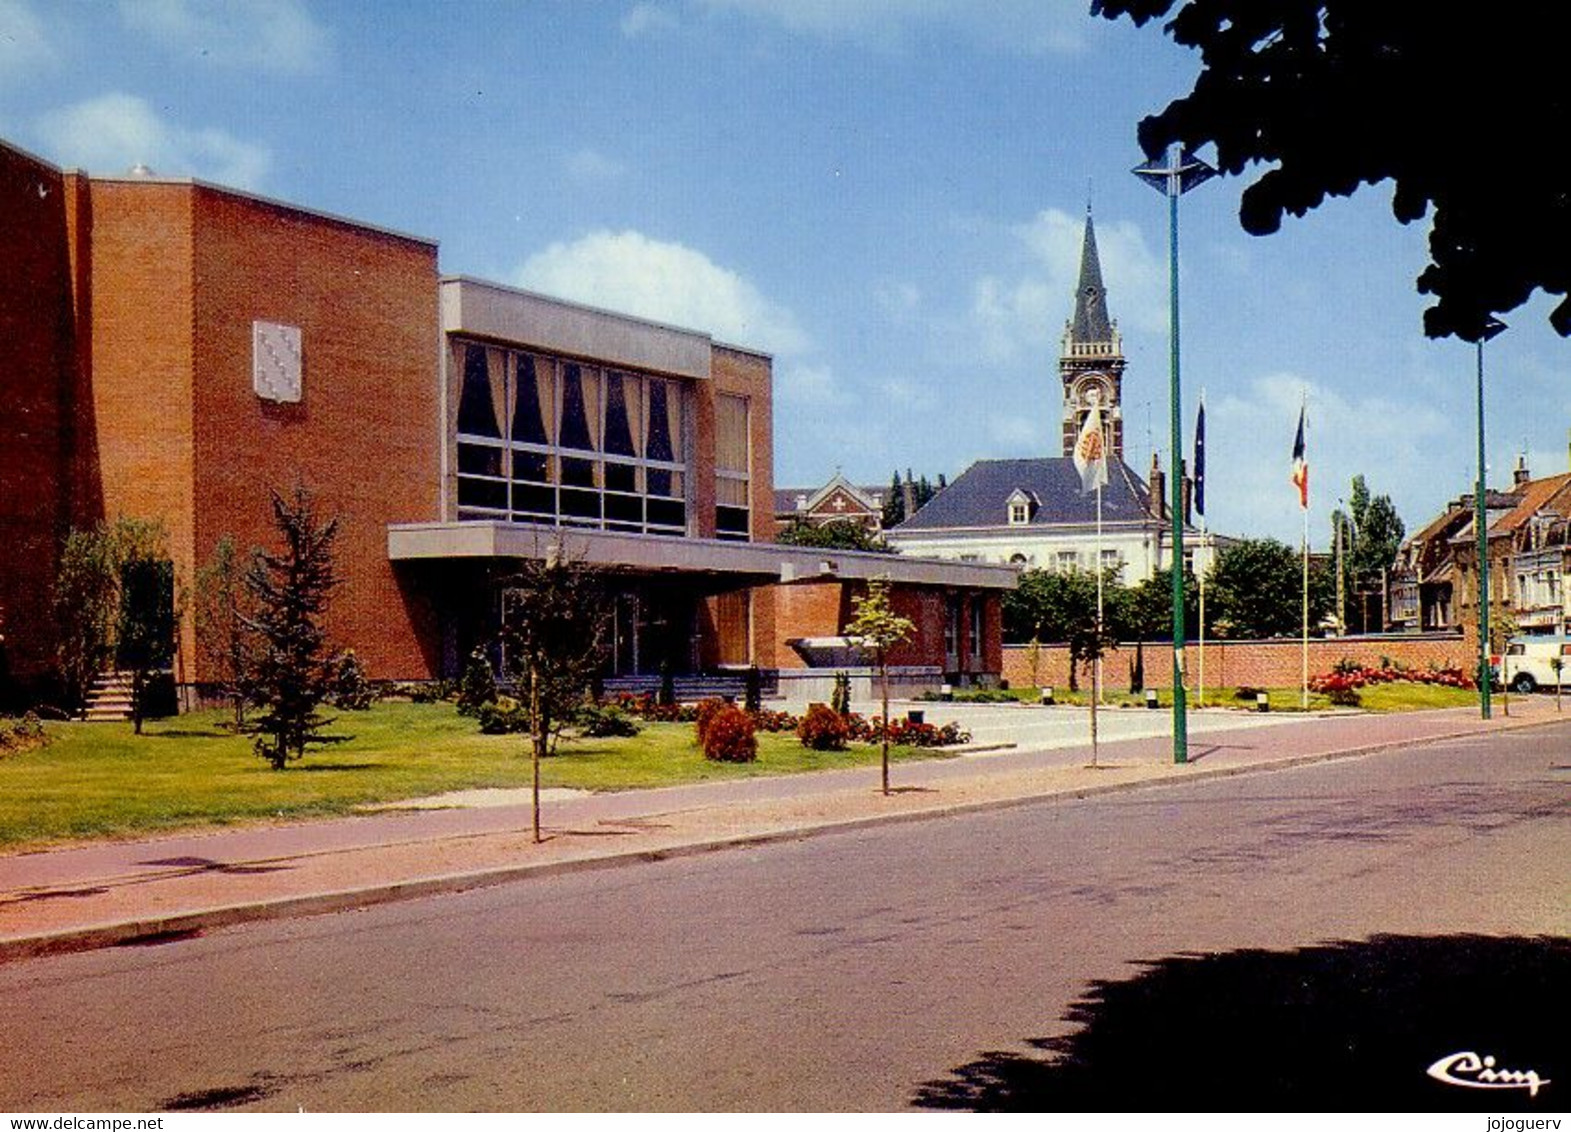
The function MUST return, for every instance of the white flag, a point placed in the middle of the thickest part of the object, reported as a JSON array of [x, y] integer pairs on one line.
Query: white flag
[[1091, 452]]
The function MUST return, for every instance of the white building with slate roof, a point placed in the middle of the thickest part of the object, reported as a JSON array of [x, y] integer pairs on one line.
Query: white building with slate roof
[[1032, 513]]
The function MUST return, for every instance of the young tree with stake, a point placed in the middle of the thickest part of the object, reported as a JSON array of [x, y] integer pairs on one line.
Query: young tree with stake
[[880, 628]]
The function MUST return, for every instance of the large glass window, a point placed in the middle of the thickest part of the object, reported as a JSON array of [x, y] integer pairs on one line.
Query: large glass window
[[584, 446], [733, 515], [482, 453]]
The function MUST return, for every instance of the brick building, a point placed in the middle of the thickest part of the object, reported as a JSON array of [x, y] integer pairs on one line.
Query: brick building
[[172, 350]]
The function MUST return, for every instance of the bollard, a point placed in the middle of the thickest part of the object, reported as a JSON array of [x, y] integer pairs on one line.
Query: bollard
[[1151, 698], [1262, 701], [946, 692], [1047, 696]]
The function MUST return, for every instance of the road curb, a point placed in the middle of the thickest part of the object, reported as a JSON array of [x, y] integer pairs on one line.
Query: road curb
[[148, 931]]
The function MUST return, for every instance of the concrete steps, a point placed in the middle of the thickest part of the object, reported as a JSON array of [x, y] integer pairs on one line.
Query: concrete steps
[[109, 699]]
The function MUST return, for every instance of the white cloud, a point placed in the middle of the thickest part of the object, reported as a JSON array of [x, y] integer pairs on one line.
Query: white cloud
[[113, 132], [898, 298], [1031, 27], [647, 19], [627, 271], [590, 166], [1023, 316], [23, 44], [269, 35], [810, 385], [906, 396]]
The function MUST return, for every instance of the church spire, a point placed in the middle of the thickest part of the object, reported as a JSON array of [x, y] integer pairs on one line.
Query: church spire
[[1091, 365], [1090, 323]]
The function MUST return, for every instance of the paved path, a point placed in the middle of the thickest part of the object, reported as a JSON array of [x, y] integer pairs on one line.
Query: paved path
[[116, 892]]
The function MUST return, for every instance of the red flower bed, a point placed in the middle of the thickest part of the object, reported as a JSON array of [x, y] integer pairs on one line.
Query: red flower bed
[[859, 729], [1346, 677]]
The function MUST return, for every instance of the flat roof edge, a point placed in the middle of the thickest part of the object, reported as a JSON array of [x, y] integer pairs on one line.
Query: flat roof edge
[[587, 308], [764, 561], [259, 198]]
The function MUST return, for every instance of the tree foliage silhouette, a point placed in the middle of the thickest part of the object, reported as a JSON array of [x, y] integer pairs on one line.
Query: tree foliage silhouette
[[1454, 106]]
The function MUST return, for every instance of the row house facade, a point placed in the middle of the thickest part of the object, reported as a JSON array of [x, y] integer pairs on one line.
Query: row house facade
[[1436, 580]]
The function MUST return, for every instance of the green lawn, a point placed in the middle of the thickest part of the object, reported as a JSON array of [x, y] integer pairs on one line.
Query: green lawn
[[99, 780]]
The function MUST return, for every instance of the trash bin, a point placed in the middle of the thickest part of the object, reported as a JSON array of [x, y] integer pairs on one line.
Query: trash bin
[[1262, 701], [1047, 696], [1151, 698]]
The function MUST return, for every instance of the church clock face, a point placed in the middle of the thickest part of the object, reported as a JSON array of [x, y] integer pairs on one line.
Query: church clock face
[[1091, 391]]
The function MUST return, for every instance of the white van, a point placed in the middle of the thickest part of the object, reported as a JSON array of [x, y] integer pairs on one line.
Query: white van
[[1528, 663]]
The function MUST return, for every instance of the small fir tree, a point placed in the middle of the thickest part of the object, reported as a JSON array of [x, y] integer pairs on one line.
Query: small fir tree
[[352, 688], [290, 590], [894, 503]]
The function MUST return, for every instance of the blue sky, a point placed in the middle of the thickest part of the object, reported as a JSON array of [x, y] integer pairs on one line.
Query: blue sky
[[886, 194]]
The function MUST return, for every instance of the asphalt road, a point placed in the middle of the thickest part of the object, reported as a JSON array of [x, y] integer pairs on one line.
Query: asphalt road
[[1312, 938]]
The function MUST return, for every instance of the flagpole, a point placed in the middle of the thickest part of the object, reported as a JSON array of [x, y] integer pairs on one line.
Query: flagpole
[[1200, 682], [1090, 457], [1099, 572], [1304, 507], [1096, 670]]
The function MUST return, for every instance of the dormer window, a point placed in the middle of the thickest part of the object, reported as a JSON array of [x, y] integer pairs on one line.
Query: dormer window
[[1018, 507]]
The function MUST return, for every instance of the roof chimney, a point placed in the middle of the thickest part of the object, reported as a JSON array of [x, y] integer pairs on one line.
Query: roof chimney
[[1521, 475], [1157, 484]]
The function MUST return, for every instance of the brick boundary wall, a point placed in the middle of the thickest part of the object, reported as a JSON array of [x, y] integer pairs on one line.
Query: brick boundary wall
[[1275, 663]]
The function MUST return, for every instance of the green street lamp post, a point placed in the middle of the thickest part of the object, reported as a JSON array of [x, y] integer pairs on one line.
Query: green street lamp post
[[1491, 327], [1181, 173]]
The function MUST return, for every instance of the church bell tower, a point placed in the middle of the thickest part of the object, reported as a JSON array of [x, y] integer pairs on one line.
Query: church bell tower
[[1092, 362]]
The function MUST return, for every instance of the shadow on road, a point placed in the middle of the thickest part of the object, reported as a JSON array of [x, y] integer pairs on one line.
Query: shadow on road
[[1349, 1026]]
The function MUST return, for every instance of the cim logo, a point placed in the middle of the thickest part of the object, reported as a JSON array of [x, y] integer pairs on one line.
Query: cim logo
[[1473, 1072]]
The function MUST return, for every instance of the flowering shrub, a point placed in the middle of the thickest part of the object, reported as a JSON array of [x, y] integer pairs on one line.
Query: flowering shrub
[[774, 721], [871, 730], [728, 736], [823, 729], [706, 712], [859, 729]]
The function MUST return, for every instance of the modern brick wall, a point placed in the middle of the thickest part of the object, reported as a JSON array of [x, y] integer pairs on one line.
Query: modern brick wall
[[362, 439], [1260, 664], [747, 374], [179, 273], [37, 362]]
